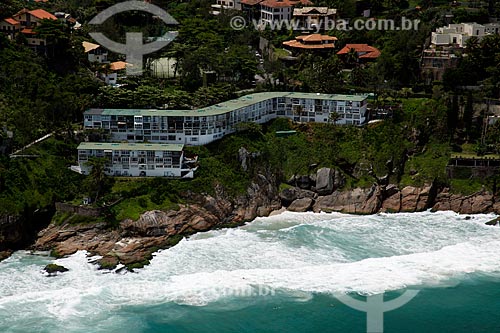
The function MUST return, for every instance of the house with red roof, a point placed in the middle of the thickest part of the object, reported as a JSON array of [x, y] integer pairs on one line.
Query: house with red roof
[[25, 21], [109, 73], [364, 52], [311, 42], [31, 18], [10, 27], [272, 10], [95, 52]]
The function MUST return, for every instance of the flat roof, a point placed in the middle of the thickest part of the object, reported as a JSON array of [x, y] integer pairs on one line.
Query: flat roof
[[130, 146], [224, 107]]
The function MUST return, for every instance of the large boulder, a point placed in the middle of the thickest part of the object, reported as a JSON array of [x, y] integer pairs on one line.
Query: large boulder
[[304, 182], [324, 181], [338, 179], [301, 205], [392, 204], [472, 204], [416, 199], [356, 201], [289, 195]]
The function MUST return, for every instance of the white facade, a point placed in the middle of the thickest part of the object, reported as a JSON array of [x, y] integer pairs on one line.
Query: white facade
[[110, 78], [95, 52], [137, 160], [225, 4], [200, 127], [458, 34], [100, 57], [270, 14]]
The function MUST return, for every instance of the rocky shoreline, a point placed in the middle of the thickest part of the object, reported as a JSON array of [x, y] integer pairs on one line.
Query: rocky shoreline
[[133, 242]]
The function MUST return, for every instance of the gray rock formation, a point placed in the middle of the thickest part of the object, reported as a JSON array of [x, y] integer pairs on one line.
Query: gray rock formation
[[301, 205], [324, 181]]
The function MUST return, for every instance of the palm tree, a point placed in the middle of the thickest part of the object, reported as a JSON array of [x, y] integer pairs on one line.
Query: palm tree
[[97, 176], [334, 117]]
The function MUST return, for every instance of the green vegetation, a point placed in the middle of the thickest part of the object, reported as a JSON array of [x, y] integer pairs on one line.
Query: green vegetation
[[465, 186], [47, 93], [133, 207], [73, 219]]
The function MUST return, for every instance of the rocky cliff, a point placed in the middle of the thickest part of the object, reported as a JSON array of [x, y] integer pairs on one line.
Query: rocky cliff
[[133, 242], [324, 195]]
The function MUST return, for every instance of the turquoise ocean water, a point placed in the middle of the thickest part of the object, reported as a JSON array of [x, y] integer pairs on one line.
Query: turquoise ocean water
[[276, 274]]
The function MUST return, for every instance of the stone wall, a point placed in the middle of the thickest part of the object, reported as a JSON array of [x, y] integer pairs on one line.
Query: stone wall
[[80, 210]]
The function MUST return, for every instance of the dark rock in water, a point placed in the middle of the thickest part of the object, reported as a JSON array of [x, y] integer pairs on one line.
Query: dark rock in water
[[468, 217], [301, 205], [493, 222], [53, 269], [5, 254], [357, 201]]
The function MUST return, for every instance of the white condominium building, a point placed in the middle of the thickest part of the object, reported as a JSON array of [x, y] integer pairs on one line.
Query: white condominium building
[[137, 159], [202, 126]]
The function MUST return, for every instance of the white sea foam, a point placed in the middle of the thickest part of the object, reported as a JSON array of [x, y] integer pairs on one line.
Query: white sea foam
[[292, 254]]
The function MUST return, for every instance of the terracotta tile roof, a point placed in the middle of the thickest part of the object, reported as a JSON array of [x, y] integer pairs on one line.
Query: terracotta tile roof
[[42, 14], [28, 31], [364, 51], [118, 65], [315, 38], [314, 41], [90, 46], [299, 45], [11, 21], [22, 11]]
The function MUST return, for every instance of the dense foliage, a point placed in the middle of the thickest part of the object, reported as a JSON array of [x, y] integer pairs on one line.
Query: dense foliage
[[47, 93]]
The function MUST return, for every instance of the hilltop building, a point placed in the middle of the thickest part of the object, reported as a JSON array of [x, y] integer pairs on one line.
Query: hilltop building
[[225, 5], [447, 45], [311, 42], [95, 52], [314, 18], [364, 52], [202, 126], [457, 34], [137, 159], [269, 11]]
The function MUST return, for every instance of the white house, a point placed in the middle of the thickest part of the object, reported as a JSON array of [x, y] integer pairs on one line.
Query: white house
[[137, 159], [95, 52], [273, 10], [458, 34], [202, 126], [225, 4]]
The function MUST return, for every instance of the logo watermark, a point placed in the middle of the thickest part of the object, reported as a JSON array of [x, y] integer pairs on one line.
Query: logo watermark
[[375, 307], [240, 23], [239, 292], [134, 48]]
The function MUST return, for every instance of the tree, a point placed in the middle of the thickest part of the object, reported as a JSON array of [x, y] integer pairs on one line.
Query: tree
[[352, 58], [468, 114], [97, 181], [334, 117]]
